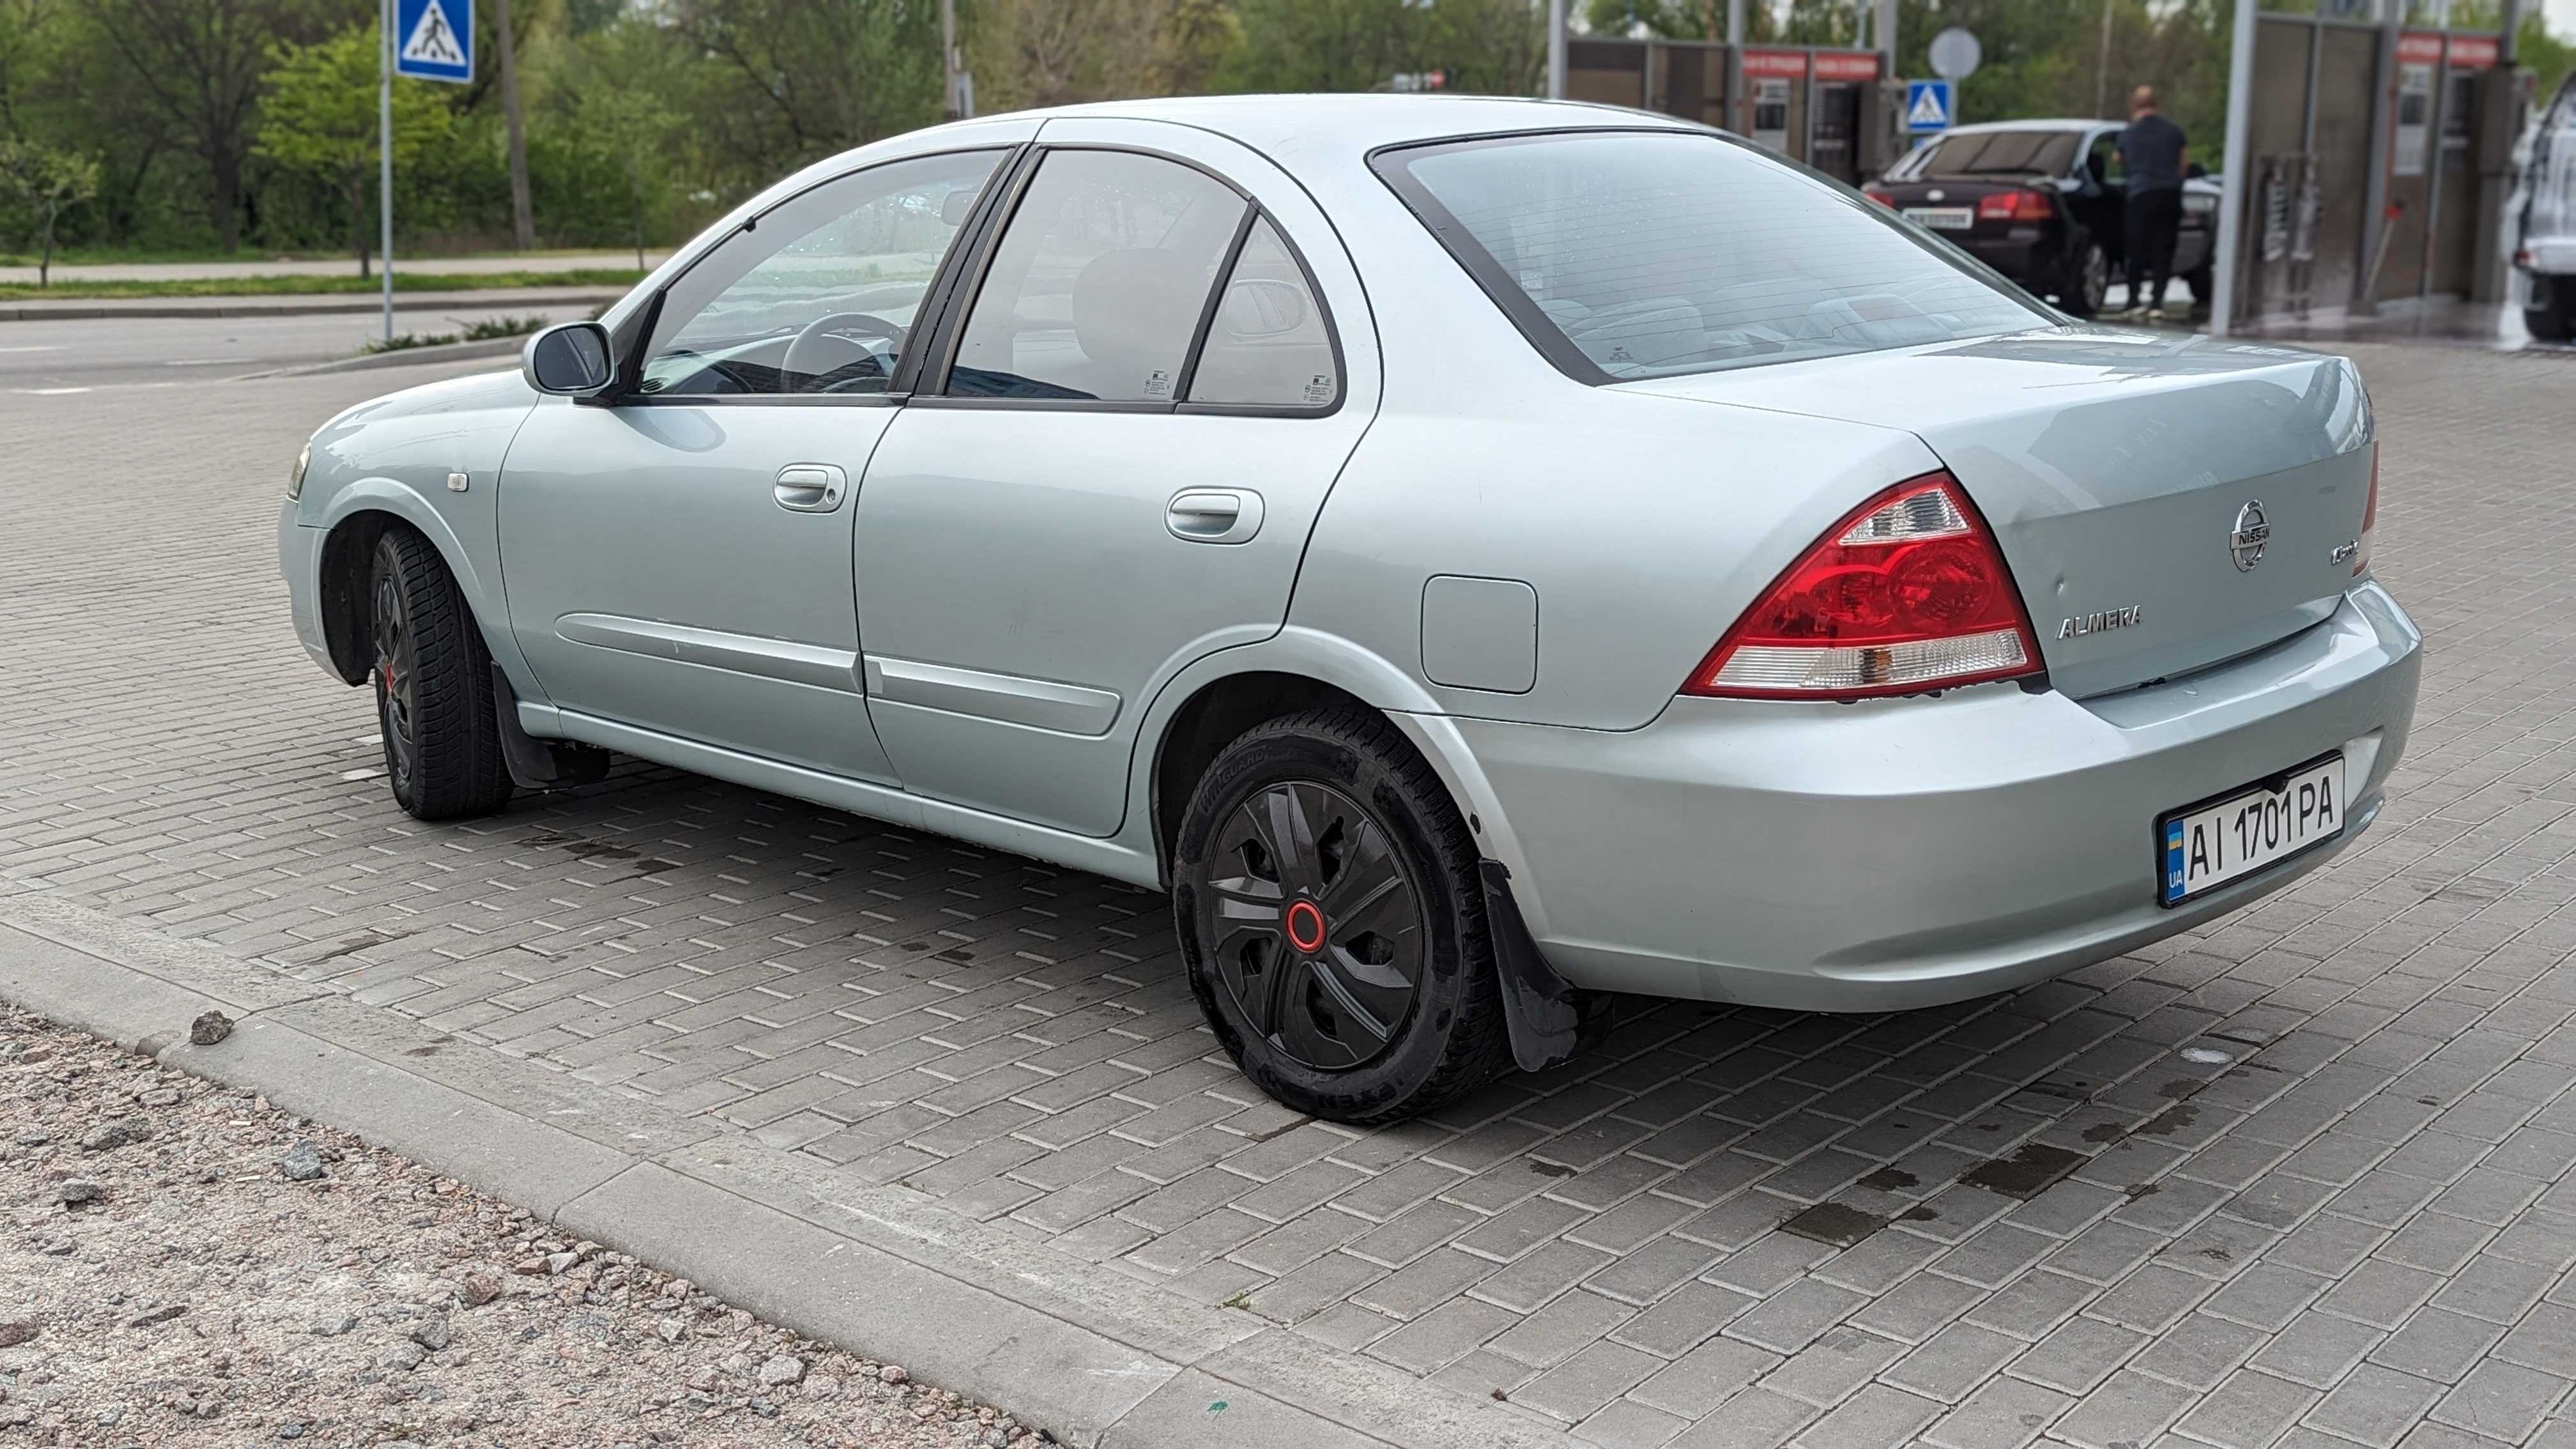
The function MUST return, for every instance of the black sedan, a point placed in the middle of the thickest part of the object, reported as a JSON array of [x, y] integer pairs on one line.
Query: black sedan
[[2042, 202]]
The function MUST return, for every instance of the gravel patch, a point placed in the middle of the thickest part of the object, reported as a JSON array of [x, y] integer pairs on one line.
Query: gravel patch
[[185, 1264]]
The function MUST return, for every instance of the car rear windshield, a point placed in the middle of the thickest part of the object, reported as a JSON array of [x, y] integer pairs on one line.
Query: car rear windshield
[[1637, 254], [1990, 153]]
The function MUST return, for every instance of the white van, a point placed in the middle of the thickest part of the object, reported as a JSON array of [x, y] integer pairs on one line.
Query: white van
[[2544, 209]]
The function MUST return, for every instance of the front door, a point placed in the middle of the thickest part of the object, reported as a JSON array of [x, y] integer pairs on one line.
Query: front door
[[680, 561], [1116, 472]]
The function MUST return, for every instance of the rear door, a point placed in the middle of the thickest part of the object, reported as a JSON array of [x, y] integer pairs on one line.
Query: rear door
[[1162, 364]]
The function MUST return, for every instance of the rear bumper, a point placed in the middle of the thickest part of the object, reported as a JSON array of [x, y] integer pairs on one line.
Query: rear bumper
[[2032, 260], [1903, 853]]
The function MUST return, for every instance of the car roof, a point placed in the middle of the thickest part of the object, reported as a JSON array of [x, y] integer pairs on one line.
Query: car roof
[[1365, 122]]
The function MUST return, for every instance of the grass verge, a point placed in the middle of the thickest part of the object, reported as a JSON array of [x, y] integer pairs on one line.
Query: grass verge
[[317, 286]]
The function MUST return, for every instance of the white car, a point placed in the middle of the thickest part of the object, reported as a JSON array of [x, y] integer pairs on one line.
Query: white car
[[2543, 208]]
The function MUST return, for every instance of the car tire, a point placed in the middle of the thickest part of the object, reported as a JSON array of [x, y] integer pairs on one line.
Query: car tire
[[2554, 319], [1332, 919], [2088, 281], [433, 682]]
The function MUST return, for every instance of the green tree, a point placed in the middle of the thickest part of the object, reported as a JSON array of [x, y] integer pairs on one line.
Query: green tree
[[785, 82], [1495, 46], [321, 119], [629, 125], [1029, 53], [198, 66], [47, 181]]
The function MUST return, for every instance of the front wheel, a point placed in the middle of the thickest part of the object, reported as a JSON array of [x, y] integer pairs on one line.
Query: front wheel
[[2088, 282], [433, 682], [1333, 922]]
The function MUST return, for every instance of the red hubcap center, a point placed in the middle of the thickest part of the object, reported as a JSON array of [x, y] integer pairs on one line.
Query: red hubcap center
[[1306, 927]]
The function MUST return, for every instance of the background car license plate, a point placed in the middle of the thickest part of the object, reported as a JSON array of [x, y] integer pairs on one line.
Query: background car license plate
[[1943, 218], [2207, 846]]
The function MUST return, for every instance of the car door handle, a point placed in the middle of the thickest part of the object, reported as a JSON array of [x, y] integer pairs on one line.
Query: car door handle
[[810, 487], [1213, 515]]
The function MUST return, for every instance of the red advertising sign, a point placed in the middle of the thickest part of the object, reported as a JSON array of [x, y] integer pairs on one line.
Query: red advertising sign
[[1846, 65], [2474, 52], [2417, 47], [1789, 63]]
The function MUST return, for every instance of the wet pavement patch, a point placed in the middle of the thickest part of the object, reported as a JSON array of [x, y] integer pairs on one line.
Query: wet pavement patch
[[2027, 1173], [1832, 1222], [1889, 1179]]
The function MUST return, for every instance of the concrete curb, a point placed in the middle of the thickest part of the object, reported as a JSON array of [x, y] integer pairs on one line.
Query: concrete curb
[[304, 305], [400, 357], [1098, 1359]]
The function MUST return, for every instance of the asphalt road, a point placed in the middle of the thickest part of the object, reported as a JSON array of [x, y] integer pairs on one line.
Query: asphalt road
[[54, 358]]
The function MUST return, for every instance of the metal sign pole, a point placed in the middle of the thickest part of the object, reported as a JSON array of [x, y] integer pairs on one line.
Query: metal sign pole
[[2232, 183], [385, 153], [1556, 49]]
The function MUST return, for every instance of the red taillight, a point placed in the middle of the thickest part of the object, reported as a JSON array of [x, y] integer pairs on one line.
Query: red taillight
[[2369, 516], [1879, 194], [2016, 205], [1907, 593]]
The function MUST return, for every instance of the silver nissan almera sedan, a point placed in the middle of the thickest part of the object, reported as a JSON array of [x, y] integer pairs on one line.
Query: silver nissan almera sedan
[[1476, 554]]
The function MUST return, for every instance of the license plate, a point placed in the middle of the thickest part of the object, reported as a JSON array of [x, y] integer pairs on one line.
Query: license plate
[[2206, 846], [1943, 218]]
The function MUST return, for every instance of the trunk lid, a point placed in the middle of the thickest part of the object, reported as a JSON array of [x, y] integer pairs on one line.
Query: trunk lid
[[2123, 474], [1948, 206]]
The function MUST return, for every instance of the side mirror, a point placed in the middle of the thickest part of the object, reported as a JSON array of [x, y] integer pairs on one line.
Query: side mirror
[[570, 359]]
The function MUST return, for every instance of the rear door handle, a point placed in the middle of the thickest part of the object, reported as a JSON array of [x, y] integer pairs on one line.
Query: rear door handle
[[810, 487], [1213, 515]]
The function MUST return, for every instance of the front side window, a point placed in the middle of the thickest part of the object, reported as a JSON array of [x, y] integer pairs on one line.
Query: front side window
[[1627, 255], [1096, 289], [820, 296]]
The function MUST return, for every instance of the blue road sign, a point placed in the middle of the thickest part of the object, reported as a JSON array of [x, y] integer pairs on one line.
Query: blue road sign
[[434, 39], [1927, 106]]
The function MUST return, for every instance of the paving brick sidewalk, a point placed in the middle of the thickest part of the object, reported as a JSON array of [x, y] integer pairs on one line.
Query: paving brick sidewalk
[[2302, 1177]]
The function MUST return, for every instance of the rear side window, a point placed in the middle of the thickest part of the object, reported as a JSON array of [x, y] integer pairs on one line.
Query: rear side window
[[1267, 345], [1628, 255], [1096, 289]]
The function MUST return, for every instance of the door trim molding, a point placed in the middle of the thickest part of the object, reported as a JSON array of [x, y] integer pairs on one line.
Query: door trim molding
[[782, 659], [1013, 699]]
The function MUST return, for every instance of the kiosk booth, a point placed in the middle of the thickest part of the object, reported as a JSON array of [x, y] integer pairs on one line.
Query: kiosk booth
[[2379, 151], [1824, 107]]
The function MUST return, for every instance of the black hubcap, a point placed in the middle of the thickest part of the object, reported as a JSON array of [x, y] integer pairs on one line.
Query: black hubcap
[[397, 680], [1316, 928]]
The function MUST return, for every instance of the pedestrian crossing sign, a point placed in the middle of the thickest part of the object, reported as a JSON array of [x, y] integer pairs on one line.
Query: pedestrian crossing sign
[[434, 39], [1927, 106]]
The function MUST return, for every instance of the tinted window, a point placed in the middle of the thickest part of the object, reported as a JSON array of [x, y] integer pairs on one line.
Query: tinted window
[[1992, 153], [1267, 345], [1096, 289], [2103, 161], [1645, 254], [818, 297]]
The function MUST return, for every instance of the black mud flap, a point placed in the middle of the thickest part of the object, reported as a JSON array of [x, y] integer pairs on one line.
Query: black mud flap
[[1550, 1020], [541, 764]]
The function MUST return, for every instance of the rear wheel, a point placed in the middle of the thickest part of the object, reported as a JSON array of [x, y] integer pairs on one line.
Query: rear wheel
[[433, 682], [1333, 921], [2087, 282], [2553, 317]]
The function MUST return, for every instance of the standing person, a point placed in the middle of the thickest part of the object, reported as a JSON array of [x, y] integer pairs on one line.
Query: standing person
[[2151, 151]]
